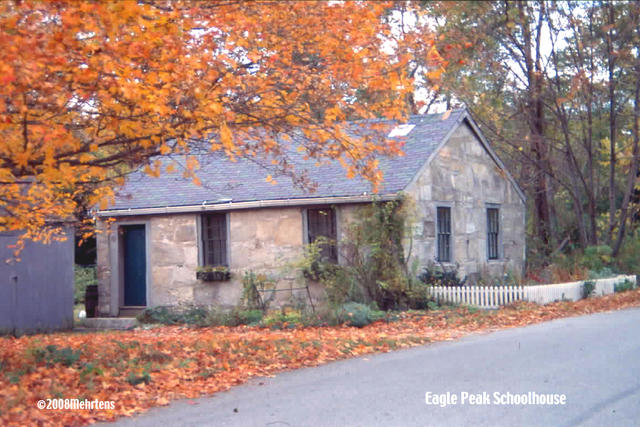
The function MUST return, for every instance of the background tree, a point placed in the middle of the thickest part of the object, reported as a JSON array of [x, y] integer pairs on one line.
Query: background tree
[[553, 85]]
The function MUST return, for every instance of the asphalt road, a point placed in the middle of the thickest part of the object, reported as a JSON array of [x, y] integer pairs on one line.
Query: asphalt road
[[593, 360]]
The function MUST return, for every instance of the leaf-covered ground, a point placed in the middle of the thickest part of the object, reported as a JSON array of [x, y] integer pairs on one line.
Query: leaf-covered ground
[[143, 368]]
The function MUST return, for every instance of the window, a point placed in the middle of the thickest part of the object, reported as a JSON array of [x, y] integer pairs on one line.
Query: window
[[322, 223], [214, 239], [444, 234], [493, 232]]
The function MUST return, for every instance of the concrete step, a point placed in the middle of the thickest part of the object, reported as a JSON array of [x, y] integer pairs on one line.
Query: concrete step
[[102, 323], [131, 311]]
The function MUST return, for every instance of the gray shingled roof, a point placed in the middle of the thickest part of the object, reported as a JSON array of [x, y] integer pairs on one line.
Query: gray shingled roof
[[244, 180]]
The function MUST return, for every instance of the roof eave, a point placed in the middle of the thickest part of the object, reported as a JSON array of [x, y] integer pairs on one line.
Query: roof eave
[[245, 205]]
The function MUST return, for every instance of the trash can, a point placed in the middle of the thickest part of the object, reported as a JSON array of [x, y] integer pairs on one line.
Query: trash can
[[91, 300]]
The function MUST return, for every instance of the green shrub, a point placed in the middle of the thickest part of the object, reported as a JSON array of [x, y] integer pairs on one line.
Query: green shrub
[[433, 305], [434, 276], [89, 370], [255, 288], [379, 315], [217, 318], [234, 317], [244, 317], [418, 297], [313, 319], [356, 314], [628, 260], [375, 267], [596, 257], [194, 315], [174, 315], [83, 277], [627, 285], [279, 320], [134, 379], [295, 318], [161, 314], [603, 273], [341, 284], [588, 287], [14, 377], [52, 355], [250, 317]]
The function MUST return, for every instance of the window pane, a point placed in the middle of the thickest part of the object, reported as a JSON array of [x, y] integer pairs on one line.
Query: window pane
[[322, 223], [214, 239], [444, 234], [493, 232]]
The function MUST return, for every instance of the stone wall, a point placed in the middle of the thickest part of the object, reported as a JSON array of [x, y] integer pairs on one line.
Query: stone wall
[[463, 177], [173, 258], [264, 241]]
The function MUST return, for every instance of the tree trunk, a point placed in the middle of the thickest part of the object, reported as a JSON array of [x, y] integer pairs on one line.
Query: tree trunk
[[633, 172], [535, 107], [611, 63], [591, 196]]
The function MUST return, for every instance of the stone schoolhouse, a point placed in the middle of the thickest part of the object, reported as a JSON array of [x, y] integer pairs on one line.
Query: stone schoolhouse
[[470, 213]]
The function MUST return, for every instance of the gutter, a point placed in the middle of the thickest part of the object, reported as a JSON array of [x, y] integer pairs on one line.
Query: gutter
[[228, 206]]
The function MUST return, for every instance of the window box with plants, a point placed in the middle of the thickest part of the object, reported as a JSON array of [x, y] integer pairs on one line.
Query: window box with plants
[[216, 273]]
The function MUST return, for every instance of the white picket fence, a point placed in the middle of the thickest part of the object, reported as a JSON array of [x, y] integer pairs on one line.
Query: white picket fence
[[480, 296], [496, 296]]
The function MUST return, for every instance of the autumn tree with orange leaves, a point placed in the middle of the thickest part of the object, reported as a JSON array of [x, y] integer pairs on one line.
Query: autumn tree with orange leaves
[[92, 90]]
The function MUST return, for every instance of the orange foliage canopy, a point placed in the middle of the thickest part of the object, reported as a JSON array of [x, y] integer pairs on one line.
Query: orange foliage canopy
[[90, 90]]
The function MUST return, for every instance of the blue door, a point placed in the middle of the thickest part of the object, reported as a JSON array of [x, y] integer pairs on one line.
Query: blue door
[[135, 265]]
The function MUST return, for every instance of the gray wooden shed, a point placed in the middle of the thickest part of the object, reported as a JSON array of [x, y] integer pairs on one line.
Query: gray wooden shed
[[36, 293]]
